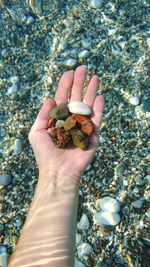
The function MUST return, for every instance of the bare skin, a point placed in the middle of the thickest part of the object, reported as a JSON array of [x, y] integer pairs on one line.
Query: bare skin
[[48, 236]]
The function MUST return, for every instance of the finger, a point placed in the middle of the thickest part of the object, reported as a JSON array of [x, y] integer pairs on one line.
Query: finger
[[79, 79], [91, 91], [43, 116], [97, 113], [64, 87]]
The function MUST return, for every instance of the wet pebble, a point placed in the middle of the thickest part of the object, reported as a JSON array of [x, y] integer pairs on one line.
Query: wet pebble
[[137, 203], [95, 3], [14, 79], [5, 179], [106, 218], [78, 238], [84, 222], [79, 263], [17, 146], [83, 54], [79, 108], [84, 249], [134, 100], [30, 20], [146, 105], [4, 257], [109, 204], [70, 62], [12, 90]]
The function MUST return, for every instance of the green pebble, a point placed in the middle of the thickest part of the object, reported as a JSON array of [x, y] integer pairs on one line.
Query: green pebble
[[59, 124], [60, 112]]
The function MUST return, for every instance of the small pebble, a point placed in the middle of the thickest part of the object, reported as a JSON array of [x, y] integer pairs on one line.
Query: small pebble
[[95, 3], [79, 263], [106, 218], [17, 146], [3, 249], [137, 203], [12, 90], [146, 105], [30, 20], [134, 100], [14, 79], [79, 108], [70, 62], [78, 239], [84, 249], [5, 179], [109, 204], [84, 222], [4, 259], [83, 54]]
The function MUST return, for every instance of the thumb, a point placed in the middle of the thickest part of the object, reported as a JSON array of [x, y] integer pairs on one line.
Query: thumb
[[41, 122]]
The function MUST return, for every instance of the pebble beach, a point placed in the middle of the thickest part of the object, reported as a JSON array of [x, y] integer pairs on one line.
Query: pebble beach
[[39, 41]]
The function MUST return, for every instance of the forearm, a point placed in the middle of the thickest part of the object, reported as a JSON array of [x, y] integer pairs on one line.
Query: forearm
[[48, 236]]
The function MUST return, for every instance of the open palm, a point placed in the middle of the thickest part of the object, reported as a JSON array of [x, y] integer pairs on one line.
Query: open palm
[[71, 160]]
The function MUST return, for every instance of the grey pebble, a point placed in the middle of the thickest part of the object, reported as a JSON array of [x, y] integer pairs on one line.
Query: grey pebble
[[95, 3], [146, 105], [30, 20], [17, 146], [4, 256], [5, 179], [137, 203]]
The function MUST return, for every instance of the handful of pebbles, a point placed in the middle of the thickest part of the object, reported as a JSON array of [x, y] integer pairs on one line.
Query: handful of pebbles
[[69, 124]]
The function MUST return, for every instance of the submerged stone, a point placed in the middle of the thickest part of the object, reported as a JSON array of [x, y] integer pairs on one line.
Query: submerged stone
[[79, 139], [60, 112]]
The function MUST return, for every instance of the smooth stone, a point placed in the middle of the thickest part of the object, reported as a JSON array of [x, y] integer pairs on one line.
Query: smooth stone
[[59, 123], [79, 263], [134, 100], [109, 204], [84, 222], [106, 218], [83, 54], [95, 3], [79, 108], [84, 249], [137, 203], [3, 249], [4, 257], [119, 170], [78, 239], [5, 179], [14, 79], [17, 146], [146, 105], [30, 20], [1, 227], [12, 90], [70, 62]]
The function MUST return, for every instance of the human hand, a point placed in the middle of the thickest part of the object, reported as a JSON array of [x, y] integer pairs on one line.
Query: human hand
[[70, 161]]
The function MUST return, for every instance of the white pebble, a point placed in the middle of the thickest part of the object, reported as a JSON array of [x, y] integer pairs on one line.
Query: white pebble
[[30, 20], [106, 218], [84, 222], [109, 204], [14, 79], [84, 249], [96, 3], [79, 108], [134, 100]]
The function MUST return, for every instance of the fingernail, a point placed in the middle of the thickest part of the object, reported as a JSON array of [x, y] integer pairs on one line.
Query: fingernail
[[71, 70]]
